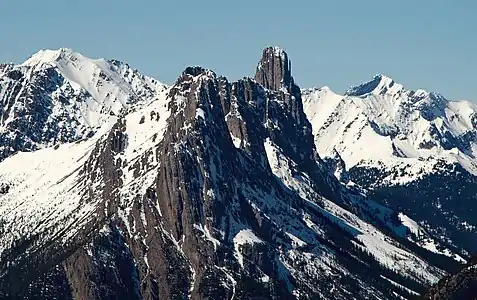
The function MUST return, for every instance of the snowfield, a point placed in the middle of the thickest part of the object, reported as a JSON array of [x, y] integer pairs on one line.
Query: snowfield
[[391, 125], [151, 173]]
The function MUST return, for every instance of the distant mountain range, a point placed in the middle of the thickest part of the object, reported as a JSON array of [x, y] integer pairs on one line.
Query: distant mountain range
[[116, 186], [413, 151]]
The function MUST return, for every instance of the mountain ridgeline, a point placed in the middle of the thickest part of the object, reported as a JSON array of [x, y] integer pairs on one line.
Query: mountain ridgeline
[[116, 186]]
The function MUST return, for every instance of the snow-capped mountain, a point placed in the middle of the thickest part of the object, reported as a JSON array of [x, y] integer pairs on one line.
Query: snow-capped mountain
[[59, 96], [399, 123], [413, 150], [205, 189]]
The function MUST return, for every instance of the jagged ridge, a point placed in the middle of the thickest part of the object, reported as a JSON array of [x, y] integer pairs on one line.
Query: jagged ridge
[[402, 146], [213, 190], [62, 96]]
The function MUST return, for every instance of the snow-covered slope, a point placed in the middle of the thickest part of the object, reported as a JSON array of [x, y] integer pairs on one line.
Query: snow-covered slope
[[61, 96], [205, 189], [43, 197], [390, 124], [390, 137], [47, 189], [370, 238]]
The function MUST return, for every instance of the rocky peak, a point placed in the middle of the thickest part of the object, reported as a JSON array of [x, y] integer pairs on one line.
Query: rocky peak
[[214, 191], [274, 69], [274, 73], [336, 165], [271, 108], [192, 74], [47, 56], [379, 85], [197, 71], [204, 84]]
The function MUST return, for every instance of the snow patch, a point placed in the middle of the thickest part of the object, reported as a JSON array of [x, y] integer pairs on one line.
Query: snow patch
[[200, 113], [244, 236], [206, 234]]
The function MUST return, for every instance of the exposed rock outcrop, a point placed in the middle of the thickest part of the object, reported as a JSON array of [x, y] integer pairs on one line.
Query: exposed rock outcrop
[[215, 191], [462, 285]]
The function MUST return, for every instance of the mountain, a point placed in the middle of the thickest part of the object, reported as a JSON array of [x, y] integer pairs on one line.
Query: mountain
[[205, 189], [413, 151], [62, 96], [462, 285]]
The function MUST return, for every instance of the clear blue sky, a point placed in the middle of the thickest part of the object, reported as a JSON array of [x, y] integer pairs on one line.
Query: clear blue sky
[[429, 44]]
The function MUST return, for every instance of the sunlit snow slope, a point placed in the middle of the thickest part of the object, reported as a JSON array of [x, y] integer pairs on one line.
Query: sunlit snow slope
[[381, 121], [61, 96], [113, 184], [414, 150]]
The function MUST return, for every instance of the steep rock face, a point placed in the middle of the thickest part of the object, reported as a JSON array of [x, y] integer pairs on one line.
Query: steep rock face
[[274, 73], [462, 285], [276, 102], [337, 166], [274, 69], [197, 156], [42, 224], [211, 191]]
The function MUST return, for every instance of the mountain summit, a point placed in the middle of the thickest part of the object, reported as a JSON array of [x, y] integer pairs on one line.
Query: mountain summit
[[46, 56], [410, 149], [274, 69], [205, 189], [379, 85], [59, 96]]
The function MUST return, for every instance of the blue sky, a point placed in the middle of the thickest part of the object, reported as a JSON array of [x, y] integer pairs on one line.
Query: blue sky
[[419, 43]]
